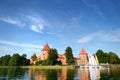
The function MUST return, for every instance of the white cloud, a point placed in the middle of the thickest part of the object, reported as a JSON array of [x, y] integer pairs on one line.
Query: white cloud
[[31, 18], [13, 21], [113, 36], [38, 28], [85, 39], [41, 26], [37, 24], [12, 43], [34, 23]]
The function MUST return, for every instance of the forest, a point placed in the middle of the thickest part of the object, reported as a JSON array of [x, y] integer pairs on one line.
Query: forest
[[14, 60]]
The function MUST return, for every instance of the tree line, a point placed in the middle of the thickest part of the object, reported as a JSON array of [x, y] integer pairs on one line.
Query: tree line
[[14, 60], [110, 57], [21, 60], [52, 57]]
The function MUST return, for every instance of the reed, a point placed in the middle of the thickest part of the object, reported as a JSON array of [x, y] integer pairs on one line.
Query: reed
[[48, 67]]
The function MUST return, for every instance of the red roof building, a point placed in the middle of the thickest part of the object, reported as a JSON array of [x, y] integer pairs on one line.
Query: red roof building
[[46, 48], [82, 59]]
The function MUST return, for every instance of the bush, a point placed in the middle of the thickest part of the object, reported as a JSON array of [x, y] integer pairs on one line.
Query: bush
[[38, 62], [45, 62]]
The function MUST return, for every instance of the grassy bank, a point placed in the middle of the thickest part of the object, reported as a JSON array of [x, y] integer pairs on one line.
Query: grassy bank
[[48, 67]]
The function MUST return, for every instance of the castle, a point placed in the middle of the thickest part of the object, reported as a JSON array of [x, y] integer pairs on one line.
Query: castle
[[82, 59]]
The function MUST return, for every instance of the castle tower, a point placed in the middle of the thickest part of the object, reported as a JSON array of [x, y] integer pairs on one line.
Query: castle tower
[[44, 52], [83, 58]]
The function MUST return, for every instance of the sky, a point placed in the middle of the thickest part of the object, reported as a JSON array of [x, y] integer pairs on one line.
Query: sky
[[27, 25]]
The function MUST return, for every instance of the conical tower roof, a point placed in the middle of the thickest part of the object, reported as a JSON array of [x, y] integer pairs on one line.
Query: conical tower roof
[[83, 52], [46, 48]]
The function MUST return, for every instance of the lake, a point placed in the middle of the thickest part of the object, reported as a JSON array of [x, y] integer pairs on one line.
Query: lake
[[60, 74]]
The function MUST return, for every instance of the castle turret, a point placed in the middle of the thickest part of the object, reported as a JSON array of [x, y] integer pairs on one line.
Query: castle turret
[[44, 52], [83, 58]]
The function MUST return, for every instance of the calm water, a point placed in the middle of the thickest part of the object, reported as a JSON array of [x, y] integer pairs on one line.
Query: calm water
[[60, 74]]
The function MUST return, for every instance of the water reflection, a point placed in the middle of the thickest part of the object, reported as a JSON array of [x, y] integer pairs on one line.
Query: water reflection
[[60, 74], [65, 74], [11, 73], [51, 74]]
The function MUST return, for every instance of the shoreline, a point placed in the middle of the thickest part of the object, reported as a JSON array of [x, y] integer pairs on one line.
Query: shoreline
[[40, 67], [57, 66]]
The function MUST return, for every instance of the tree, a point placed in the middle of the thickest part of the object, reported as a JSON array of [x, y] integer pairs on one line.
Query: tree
[[15, 60], [52, 56], [23, 59], [45, 62], [113, 58], [34, 57], [69, 56], [110, 57], [38, 62], [102, 56], [5, 60]]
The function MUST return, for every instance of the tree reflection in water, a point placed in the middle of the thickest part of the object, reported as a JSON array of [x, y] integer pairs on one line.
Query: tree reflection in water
[[60, 74], [51, 74], [11, 73]]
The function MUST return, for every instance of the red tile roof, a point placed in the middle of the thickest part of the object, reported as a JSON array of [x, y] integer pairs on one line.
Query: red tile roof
[[77, 58], [83, 52], [46, 48], [39, 57], [61, 56]]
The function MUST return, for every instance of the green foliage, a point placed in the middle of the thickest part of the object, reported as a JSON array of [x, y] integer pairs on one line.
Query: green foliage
[[45, 62], [69, 56], [34, 57], [102, 57], [59, 63], [110, 57], [52, 57], [4, 60], [15, 60], [23, 59], [27, 62], [38, 62], [113, 58]]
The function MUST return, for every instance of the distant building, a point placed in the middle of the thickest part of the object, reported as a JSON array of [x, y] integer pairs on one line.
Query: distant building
[[82, 59]]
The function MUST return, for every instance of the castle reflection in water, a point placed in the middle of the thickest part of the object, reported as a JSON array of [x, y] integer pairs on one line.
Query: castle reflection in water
[[65, 74]]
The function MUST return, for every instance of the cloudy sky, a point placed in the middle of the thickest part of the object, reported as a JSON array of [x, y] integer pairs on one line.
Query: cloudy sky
[[27, 25]]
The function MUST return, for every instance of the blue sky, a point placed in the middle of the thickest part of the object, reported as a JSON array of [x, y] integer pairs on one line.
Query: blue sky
[[27, 25]]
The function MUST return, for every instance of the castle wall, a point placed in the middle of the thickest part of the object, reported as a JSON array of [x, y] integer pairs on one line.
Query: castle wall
[[44, 55]]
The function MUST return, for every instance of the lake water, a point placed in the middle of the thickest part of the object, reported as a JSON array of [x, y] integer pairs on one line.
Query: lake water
[[60, 74]]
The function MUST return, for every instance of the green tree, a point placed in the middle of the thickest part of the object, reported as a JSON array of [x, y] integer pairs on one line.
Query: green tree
[[69, 56], [23, 59], [45, 62], [113, 58], [102, 56], [15, 60], [6, 59], [110, 57], [52, 56], [27, 62], [38, 62], [34, 57]]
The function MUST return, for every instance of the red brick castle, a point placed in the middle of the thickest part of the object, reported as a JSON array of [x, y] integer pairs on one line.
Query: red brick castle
[[82, 59]]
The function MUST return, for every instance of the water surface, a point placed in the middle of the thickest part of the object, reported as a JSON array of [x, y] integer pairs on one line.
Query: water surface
[[59, 74]]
